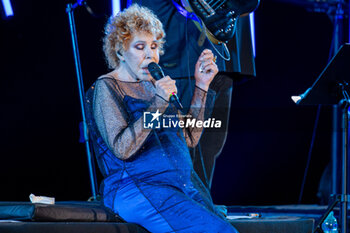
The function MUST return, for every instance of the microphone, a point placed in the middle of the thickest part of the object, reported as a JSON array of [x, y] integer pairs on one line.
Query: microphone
[[157, 73]]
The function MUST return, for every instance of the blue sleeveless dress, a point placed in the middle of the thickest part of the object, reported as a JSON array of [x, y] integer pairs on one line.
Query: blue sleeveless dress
[[157, 187]]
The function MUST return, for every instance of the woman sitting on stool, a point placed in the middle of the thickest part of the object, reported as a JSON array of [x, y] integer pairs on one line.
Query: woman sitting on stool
[[149, 178]]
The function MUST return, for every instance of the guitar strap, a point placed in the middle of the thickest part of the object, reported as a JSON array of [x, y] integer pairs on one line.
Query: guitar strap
[[201, 38], [188, 13]]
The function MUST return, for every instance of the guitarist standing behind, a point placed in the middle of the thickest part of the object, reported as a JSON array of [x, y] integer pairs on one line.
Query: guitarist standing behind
[[184, 43]]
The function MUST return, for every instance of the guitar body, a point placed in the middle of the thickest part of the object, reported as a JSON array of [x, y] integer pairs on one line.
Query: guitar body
[[220, 16]]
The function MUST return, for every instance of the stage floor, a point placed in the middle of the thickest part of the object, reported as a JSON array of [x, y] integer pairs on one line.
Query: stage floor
[[75, 217]]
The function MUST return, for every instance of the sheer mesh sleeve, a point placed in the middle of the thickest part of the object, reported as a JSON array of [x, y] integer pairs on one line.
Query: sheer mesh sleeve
[[197, 112], [122, 136]]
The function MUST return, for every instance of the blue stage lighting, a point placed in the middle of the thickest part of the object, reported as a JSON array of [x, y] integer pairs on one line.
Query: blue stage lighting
[[115, 6], [252, 31], [7, 8]]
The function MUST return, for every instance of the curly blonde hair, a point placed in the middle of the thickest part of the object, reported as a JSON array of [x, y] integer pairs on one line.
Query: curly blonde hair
[[120, 29]]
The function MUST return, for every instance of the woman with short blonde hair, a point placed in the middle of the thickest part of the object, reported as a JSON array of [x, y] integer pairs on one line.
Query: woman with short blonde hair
[[148, 173]]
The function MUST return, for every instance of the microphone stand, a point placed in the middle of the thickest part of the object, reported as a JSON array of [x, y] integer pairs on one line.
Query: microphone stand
[[70, 11]]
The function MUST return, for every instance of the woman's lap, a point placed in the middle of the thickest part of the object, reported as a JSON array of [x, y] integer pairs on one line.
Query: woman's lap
[[166, 209]]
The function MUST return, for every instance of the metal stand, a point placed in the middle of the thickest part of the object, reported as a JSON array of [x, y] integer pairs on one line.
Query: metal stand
[[342, 198], [336, 15], [330, 89], [70, 10], [344, 194], [338, 39], [338, 24]]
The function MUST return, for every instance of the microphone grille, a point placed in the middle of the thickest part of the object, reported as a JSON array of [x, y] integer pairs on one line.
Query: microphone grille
[[155, 70]]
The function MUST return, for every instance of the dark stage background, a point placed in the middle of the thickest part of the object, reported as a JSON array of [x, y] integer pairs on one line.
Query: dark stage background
[[266, 151]]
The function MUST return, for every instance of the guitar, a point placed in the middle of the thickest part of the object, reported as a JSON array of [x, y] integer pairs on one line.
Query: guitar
[[220, 16]]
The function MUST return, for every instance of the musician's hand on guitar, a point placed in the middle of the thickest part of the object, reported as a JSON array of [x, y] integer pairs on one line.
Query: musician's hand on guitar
[[205, 69]]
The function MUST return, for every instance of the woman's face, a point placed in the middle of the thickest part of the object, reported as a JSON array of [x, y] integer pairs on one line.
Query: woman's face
[[143, 49]]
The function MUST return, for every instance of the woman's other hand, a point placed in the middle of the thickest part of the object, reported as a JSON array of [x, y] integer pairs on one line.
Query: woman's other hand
[[205, 69], [165, 87]]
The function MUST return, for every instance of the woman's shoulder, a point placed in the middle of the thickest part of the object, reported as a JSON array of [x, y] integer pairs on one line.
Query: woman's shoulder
[[114, 80], [106, 85], [139, 89], [106, 79]]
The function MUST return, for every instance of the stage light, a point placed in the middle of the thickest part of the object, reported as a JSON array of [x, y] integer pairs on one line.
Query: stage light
[[7, 8], [115, 6], [252, 31]]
